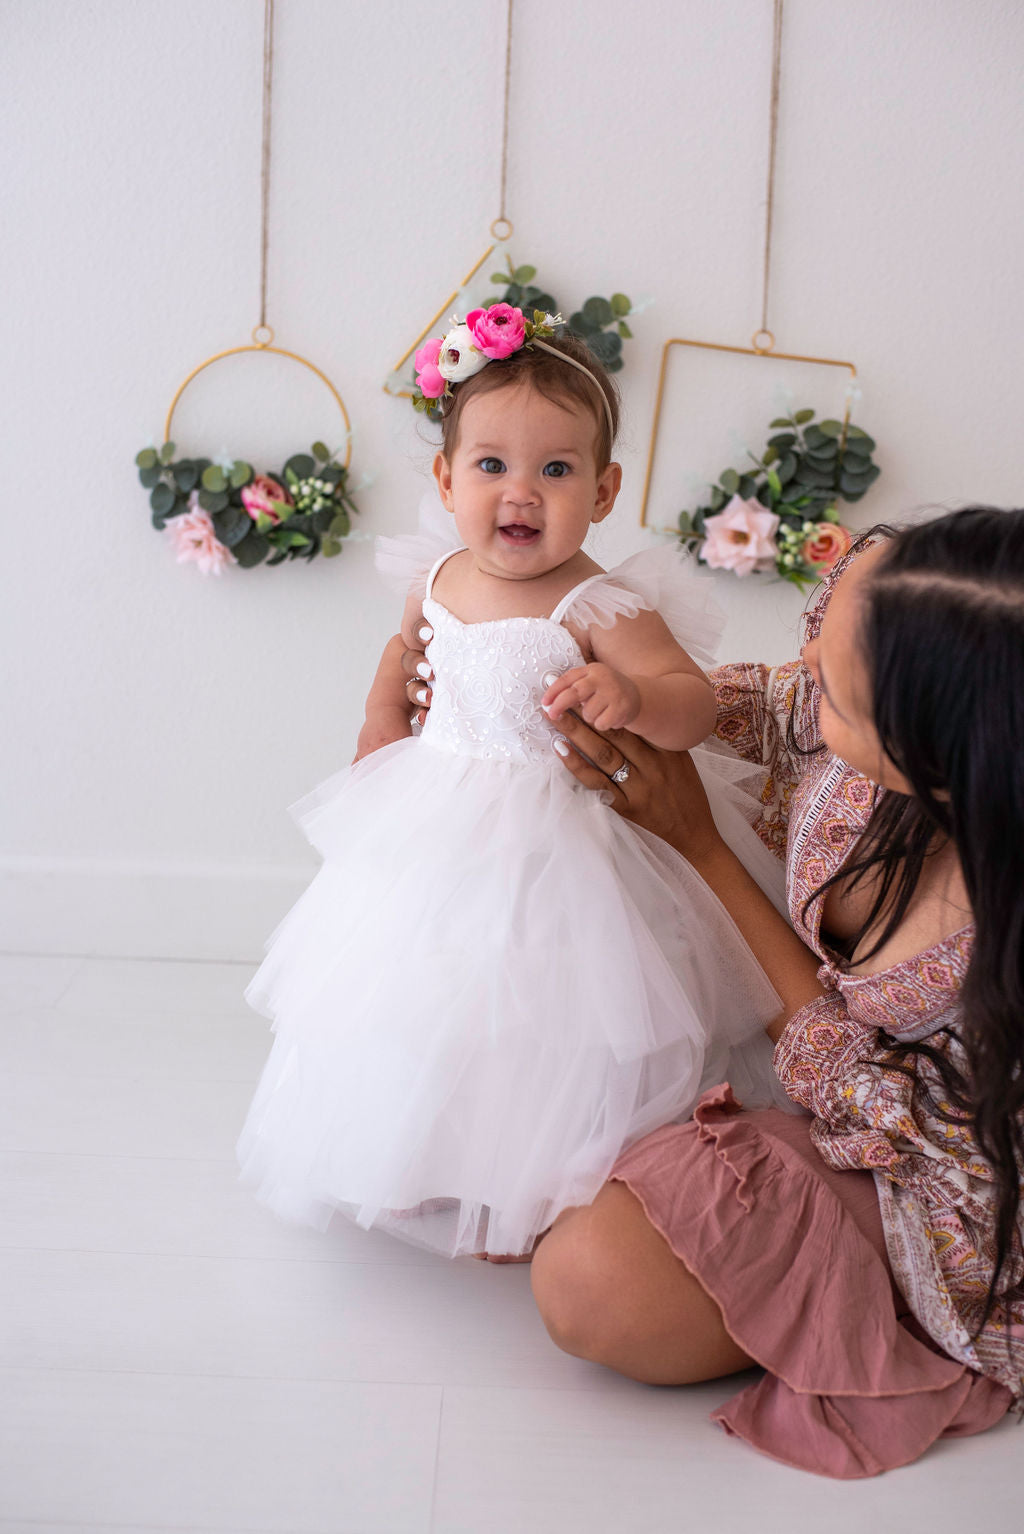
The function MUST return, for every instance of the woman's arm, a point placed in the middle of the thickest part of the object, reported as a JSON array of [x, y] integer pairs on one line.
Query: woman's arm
[[663, 793]]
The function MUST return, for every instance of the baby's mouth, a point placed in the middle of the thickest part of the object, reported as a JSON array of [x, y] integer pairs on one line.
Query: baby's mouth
[[519, 533]]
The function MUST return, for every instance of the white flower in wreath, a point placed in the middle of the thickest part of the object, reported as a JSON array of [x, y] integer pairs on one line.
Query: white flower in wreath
[[459, 358]]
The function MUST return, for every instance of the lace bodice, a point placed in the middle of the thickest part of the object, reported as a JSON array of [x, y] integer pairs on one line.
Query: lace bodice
[[488, 683]]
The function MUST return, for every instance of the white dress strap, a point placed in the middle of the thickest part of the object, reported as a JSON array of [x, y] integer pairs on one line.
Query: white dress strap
[[570, 596], [437, 565]]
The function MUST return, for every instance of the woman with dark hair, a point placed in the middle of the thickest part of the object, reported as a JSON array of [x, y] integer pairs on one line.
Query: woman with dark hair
[[867, 1254]]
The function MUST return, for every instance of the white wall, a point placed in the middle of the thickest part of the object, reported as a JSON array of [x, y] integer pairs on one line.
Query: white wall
[[156, 723]]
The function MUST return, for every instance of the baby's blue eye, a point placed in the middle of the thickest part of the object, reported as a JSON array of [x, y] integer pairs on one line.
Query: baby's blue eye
[[557, 469], [491, 465]]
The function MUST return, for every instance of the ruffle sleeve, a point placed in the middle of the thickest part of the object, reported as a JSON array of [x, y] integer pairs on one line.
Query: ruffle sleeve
[[405, 561], [661, 580]]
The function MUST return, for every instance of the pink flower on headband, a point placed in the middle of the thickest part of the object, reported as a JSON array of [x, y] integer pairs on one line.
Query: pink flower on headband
[[428, 379], [498, 331]]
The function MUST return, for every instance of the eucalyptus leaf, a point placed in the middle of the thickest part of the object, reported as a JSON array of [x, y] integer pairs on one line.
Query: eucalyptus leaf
[[186, 475], [857, 484], [341, 525], [729, 481], [615, 366], [278, 558], [862, 437], [320, 451], [598, 312], [330, 547], [158, 519], [784, 440], [774, 482], [332, 474], [771, 454], [251, 550], [746, 487], [151, 476], [241, 474], [146, 459], [524, 274], [832, 428], [802, 417], [718, 498], [814, 436], [213, 478], [621, 305], [167, 452], [782, 420], [161, 499], [787, 468], [231, 525], [605, 345], [301, 465], [581, 326], [624, 331], [213, 500], [685, 523]]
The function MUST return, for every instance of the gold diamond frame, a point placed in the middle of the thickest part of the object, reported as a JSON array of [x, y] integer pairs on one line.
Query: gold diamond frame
[[762, 345]]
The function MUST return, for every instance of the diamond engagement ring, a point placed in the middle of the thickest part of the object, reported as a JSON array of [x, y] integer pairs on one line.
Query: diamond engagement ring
[[622, 774]]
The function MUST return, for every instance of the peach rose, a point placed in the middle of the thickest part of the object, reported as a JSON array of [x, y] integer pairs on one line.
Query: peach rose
[[826, 546], [259, 495], [740, 538]]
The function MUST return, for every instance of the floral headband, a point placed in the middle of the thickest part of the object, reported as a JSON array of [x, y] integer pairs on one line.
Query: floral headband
[[487, 335]]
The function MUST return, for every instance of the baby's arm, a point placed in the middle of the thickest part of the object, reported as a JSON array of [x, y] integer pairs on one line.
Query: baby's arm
[[387, 702], [642, 678]]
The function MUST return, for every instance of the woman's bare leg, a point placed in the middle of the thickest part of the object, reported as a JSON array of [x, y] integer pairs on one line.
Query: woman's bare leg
[[610, 1289]]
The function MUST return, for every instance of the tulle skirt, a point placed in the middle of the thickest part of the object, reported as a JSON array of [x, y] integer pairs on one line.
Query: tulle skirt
[[492, 987]]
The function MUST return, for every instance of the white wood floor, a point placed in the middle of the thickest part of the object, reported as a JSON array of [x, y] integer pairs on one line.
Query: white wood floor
[[172, 1358]]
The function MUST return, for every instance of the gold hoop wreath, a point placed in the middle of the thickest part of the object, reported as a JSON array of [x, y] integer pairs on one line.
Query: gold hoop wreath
[[225, 512]]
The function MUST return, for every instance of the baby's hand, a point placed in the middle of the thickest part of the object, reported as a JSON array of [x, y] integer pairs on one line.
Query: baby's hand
[[602, 697]]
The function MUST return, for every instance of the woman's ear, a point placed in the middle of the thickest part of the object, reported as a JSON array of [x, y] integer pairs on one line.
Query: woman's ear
[[609, 484], [443, 475]]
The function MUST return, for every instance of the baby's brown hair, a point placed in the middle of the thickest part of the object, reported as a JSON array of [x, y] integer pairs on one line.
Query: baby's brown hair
[[550, 376]]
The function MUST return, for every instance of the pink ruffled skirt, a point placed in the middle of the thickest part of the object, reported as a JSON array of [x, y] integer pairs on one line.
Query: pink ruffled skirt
[[794, 1255]]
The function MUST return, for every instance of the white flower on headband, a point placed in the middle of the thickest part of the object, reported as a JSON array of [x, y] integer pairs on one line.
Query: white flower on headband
[[459, 358]]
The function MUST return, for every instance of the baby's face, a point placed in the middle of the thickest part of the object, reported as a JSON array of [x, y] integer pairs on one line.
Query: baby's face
[[522, 481]]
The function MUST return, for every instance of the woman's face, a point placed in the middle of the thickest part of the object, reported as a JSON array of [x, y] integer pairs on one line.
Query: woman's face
[[837, 663]]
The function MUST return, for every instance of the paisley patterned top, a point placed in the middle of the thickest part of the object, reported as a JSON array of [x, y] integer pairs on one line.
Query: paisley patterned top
[[934, 1187]]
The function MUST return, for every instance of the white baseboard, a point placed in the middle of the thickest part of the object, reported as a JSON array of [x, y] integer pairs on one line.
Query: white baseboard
[[143, 910]]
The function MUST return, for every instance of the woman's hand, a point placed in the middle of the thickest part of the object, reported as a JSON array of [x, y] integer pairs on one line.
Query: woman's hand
[[659, 790], [418, 674]]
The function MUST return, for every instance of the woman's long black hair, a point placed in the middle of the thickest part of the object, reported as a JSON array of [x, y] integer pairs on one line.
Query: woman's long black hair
[[943, 630]]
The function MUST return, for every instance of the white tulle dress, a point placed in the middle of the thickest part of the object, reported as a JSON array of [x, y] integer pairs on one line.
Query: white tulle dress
[[494, 983]]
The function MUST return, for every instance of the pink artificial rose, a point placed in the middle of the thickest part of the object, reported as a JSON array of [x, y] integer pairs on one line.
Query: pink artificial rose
[[826, 546], [193, 539], [259, 494], [428, 379], [740, 538], [498, 331]]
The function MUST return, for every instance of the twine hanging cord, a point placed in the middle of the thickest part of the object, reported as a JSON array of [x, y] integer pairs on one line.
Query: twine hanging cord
[[501, 228], [263, 332], [764, 334]]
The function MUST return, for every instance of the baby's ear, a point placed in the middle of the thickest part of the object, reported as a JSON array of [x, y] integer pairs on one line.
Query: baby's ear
[[443, 475], [609, 483]]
